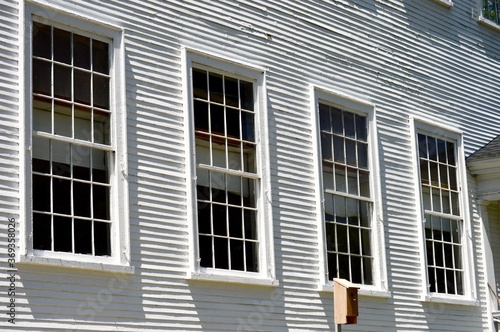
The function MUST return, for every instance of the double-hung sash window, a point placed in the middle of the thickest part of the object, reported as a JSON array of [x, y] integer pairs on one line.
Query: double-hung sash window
[[72, 150], [226, 170], [348, 203], [440, 192]]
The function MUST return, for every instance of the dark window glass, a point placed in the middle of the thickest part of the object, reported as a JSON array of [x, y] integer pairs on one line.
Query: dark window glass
[[42, 231], [62, 46], [83, 236], [42, 40], [100, 56], [102, 236]]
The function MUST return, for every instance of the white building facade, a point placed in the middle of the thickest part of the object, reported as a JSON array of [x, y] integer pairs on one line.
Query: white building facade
[[213, 165]]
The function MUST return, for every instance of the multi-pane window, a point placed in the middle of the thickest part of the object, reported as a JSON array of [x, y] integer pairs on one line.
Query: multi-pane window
[[71, 145], [491, 10], [346, 185], [226, 171], [443, 222]]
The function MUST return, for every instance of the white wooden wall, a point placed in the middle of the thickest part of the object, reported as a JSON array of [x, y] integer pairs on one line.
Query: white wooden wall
[[409, 58]]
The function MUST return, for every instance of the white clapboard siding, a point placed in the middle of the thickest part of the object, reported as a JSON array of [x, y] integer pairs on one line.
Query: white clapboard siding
[[408, 58]]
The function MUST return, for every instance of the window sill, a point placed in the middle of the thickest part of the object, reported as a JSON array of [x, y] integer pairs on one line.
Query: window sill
[[74, 264], [364, 290], [234, 279], [446, 3], [488, 23], [450, 299]]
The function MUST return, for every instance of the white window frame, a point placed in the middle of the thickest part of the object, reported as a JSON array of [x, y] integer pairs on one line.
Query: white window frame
[[266, 274], [119, 261], [439, 130], [379, 288]]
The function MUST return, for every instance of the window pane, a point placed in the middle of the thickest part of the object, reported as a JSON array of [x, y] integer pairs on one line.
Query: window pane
[[42, 77], [337, 122], [366, 242], [235, 222], [326, 146], [206, 251], [327, 176], [351, 153], [62, 46], [63, 118], [219, 219], [41, 40], [82, 87], [216, 89], [83, 236], [217, 119], [246, 95], [101, 127], [356, 270], [352, 181], [247, 126], [332, 265], [340, 179], [237, 255], [100, 56], [102, 236], [81, 51], [324, 118], [201, 116], [83, 129], [338, 149], [362, 155], [361, 130], [364, 183], [432, 148], [252, 254], [441, 151], [250, 224], [99, 166], [42, 231], [63, 234], [42, 115], [81, 199], [342, 245], [349, 125], [233, 123], [231, 91], [101, 91], [62, 82], [200, 89], [61, 196], [41, 193], [221, 253], [204, 217], [101, 202]]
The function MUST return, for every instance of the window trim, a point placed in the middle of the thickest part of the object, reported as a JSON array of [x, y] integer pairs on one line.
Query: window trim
[[119, 261], [439, 130], [368, 109], [266, 275]]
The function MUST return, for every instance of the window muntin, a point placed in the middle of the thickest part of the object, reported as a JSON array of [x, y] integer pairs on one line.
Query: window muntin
[[348, 204], [443, 222], [227, 179], [71, 145], [491, 10]]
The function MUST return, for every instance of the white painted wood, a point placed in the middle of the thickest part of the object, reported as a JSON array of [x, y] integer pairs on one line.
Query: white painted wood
[[408, 58]]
